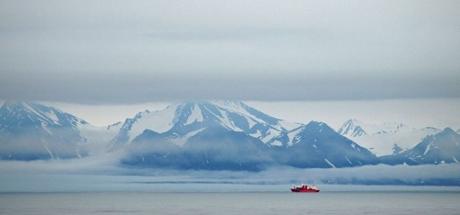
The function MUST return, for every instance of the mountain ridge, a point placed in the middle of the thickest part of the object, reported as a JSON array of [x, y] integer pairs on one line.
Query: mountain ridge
[[190, 115], [442, 147], [226, 135], [34, 131], [384, 137]]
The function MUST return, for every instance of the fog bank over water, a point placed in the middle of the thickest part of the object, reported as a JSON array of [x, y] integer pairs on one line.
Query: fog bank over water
[[104, 174]]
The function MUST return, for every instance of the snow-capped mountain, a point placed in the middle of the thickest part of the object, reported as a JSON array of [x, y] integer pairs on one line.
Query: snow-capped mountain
[[442, 147], [217, 147], [31, 131], [232, 135], [35, 131], [385, 138], [182, 120], [16, 115], [227, 135], [318, 145], [355, 128], [352, 128]]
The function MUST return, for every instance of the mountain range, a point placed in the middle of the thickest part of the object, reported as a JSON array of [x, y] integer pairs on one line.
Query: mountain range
[[33, 131], [443, 147], [385, 138], [183, 119], [214, 135]]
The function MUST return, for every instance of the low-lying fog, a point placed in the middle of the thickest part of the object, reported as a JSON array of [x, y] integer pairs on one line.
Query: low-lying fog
[[103, 173]]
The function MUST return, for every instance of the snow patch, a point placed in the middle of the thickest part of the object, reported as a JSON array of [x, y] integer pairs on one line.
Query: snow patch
[[182, 140], [49, 151], [276, 143], [330, 163], [45, 127], [158, 121], [348, 160], [225, 120], [52, 115], [257, 134], [427, 149], [195, 116], [270, 135], [40, 115], [293, 136]]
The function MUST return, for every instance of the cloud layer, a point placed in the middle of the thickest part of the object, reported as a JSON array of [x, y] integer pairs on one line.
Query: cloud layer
[[119, 52], [103, 175]]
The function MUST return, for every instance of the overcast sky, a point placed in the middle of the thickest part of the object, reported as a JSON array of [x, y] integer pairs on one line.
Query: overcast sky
[[124, 52]]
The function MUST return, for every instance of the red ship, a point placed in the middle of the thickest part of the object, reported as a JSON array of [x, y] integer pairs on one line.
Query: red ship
[[304, 189]]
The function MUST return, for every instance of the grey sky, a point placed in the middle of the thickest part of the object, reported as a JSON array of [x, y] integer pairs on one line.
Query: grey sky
[[140, 51]]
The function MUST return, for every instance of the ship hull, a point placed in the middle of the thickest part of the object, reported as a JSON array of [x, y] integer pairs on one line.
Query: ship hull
[[304, 191]]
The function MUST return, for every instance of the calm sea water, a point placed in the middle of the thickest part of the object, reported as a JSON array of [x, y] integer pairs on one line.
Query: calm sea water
[[64, 194], [327, 202]]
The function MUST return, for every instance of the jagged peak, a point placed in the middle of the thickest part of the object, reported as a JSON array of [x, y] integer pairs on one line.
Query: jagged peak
[[227, 105], [317, 126], [28, 105], [231, 102], [447, 131], [230, 114], [17, 103], [191, 102], [315, 123], [15, 110], [353, 122], [352, 127]]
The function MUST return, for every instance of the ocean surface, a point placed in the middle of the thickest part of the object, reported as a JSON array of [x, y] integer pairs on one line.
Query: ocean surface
[[109, 194], [216, 198]]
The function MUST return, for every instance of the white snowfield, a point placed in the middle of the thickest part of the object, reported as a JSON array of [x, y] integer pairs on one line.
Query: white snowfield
[[381, 138], [196, 116]]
